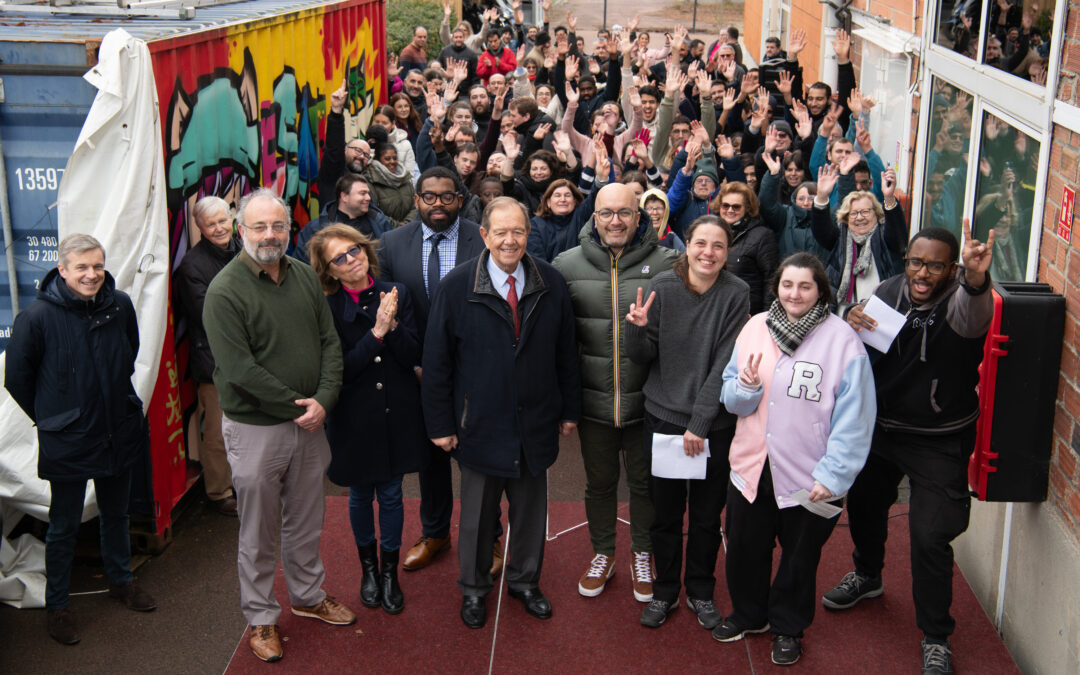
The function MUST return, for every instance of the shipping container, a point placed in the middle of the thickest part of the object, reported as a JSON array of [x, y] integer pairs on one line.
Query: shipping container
[[243, 91]]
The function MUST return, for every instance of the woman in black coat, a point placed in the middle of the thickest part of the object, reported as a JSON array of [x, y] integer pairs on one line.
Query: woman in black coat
[[753, 254], [376, 431]]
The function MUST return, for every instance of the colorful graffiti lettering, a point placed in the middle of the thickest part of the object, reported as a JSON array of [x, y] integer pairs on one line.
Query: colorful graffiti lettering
[[259, 119]]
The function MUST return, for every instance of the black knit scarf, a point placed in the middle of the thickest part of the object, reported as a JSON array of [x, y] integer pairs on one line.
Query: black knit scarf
[[789, 336]]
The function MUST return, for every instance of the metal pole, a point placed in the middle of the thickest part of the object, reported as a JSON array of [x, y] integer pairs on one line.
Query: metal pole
[[693, 24], [605, 14]]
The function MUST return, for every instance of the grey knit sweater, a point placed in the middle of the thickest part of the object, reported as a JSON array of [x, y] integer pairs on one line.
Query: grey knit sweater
[[688, 341]]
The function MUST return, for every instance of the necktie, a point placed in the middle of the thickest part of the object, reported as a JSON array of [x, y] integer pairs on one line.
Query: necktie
[[433, 271], [512, 298]]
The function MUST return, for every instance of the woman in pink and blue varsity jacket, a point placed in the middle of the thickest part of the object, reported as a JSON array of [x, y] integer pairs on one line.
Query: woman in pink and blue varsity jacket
[[802, 387]]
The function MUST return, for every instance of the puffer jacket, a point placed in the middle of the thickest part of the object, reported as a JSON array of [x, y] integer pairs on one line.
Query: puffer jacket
[[69, 367], [753, 258], [601, 290]]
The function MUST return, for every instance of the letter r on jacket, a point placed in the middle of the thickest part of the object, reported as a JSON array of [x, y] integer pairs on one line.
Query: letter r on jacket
[[805, 381]]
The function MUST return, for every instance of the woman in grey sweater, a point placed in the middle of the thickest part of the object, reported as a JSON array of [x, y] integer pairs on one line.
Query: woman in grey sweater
[[686, 330]]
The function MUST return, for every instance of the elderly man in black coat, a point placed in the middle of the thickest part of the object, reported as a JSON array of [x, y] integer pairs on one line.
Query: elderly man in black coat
[[69, 367], [500, 384]]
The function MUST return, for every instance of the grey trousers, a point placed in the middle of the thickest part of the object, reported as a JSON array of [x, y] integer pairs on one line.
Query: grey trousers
[[277, 472], [480, 495], [216, 475]]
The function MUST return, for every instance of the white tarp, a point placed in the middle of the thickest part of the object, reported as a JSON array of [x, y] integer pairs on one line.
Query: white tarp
[[114, 189]]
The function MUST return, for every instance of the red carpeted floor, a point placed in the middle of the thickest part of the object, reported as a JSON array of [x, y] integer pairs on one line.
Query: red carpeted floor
[[602, 634]]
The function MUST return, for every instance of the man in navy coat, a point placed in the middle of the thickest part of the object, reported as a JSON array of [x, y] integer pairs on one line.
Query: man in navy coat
[[500, 384]]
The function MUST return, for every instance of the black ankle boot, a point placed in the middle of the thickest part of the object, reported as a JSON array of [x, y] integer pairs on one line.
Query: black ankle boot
[[392, 599], [370, 593]]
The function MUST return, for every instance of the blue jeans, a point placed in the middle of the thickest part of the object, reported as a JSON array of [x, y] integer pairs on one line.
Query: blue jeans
[[65, 513], [391, 513]]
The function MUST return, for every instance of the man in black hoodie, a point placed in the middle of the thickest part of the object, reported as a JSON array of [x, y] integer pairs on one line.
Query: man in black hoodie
[[927, 407]]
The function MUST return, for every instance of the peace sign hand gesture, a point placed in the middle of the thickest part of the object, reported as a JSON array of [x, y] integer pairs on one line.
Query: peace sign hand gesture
[[749, 374], [639, 314]]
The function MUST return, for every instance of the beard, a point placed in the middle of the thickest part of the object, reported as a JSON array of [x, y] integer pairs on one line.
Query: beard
[[356, 167], [265, 253]]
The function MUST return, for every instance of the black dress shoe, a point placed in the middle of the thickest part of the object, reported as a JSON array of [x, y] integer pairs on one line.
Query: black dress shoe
[[535, 602], [473, 611]]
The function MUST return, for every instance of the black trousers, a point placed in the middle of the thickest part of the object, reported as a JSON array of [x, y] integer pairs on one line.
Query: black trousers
[[477, 530], [706, 499], [436, 494], [752, 531], [938, 513]]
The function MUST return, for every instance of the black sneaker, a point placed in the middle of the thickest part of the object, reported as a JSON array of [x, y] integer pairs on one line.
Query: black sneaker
[[851, 589], [936, 658], [729, 631], [785, 650], [656, 612], [707, 615], [61, 626]]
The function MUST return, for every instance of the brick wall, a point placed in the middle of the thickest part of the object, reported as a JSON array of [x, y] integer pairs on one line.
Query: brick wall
[[1059, 266], [896, 11]]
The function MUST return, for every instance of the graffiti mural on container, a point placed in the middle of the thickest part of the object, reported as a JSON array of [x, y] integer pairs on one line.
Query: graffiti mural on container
[[258, 119]]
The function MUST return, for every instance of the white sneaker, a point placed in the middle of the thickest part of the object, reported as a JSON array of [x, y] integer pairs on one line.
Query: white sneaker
[[642, 569], [596, 577]]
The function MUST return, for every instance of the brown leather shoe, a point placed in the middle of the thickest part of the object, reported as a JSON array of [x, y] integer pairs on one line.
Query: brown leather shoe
[[425, 550], [329, 610], [265, 643], [226, 506], [496, 560]]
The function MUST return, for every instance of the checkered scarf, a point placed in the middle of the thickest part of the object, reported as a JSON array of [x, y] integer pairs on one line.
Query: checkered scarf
[[789, 336]]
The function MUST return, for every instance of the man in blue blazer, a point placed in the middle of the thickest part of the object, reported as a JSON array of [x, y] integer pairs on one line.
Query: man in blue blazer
[[419, 255]]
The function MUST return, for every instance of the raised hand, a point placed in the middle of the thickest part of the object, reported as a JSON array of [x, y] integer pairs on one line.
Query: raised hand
[[510, 146], [804, 126], [724, 147], [573, 67], [888, 186], [796, 43], [842, 46], [704, 84], [749, 374], [447, 10], [562, 142], [452, 132], [393, 68], [339, 98], [631, 26], [773, 163], [542, 131], [783, 85], [976, 256], [862, 135], [635, 97], [698, 131], [572, 95], [571, 22], [594, 67], [848, 163], [436, 107], [772, 138], [854, 103], [729, 98], [639, 313], [826, 180], [437, 137]]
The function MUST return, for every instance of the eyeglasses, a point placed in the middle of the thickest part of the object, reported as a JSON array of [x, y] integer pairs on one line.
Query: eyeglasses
[[605, 215], [726, 206], [861, 213], [340, 260], [261, 228], [446, 198], [916, 264]]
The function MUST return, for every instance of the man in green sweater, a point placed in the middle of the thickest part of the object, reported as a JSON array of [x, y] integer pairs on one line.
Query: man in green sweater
[[618, 254], [278, 370]]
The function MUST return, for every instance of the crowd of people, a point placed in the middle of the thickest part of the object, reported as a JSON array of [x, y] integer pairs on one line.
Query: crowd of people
[[632, 240]]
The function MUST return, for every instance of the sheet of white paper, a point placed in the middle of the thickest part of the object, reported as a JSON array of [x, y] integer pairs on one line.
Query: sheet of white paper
[[669, 460], [823, 509], [889, 323]]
